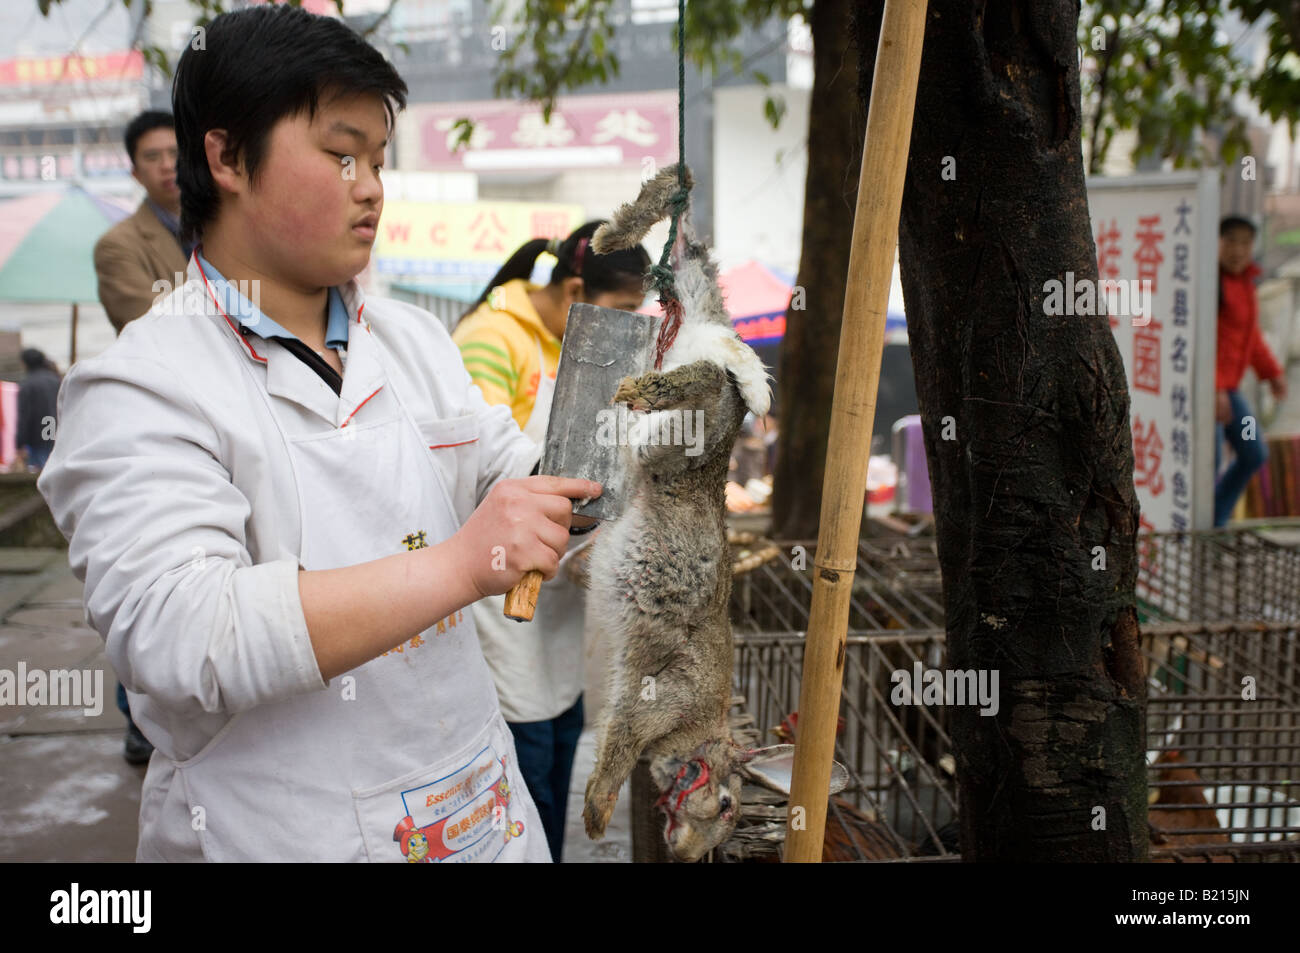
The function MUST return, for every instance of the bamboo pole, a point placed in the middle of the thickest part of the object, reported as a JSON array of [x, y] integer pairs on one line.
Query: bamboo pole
[[857, 375]]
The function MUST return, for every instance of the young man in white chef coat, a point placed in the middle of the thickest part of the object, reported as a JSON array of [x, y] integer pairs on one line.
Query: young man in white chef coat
[[281, 499]]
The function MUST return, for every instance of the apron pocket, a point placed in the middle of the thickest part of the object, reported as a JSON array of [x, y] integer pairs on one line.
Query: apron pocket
[[471, 807], [453, 444]]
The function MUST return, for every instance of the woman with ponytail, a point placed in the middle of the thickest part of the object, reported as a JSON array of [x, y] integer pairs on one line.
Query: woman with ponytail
[[510, 339], [510, 343]]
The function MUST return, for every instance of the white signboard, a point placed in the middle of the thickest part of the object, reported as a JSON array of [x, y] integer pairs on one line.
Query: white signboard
[[1163, 229]]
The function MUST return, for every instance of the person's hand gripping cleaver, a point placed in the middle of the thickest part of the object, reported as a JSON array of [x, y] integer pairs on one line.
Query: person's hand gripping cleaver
[[601, 347]]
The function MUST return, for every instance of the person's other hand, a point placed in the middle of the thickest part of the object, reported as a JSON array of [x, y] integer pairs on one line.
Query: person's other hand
[[521, 525], [1222, 407], [1278, 386]]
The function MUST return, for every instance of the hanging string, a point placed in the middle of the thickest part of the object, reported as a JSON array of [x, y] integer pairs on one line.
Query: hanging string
[[661, 275]]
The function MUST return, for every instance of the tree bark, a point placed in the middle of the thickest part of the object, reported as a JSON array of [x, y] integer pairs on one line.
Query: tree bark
[[1026, 422], [812, 333]]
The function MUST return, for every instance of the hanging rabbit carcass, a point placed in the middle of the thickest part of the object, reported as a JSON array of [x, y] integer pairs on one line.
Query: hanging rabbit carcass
[[661, 575]]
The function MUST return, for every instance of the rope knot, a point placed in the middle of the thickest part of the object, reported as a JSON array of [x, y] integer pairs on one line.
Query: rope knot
[[677, 201], [661, 276]]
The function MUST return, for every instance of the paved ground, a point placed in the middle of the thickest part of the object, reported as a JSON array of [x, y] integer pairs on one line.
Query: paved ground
[[65, 791], [616, 846], [66, 794]]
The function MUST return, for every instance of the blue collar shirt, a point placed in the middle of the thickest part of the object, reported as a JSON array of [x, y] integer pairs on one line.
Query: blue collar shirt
[[239, 308]]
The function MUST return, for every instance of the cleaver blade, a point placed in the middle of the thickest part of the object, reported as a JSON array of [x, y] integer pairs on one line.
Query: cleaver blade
[[601, 347]]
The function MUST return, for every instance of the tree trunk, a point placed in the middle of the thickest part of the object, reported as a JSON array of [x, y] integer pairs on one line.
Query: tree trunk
[[812, 333], [1026, 421]]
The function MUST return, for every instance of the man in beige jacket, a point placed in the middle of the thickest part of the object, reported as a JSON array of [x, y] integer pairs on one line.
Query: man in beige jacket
[[145, 248]]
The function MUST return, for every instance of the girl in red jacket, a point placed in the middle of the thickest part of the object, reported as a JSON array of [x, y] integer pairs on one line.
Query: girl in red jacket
[[1240, 344]]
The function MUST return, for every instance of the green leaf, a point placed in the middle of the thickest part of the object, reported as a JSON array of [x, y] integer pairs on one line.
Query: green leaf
[[157, 56], [774, 109], [464, 129], [1169, 73]]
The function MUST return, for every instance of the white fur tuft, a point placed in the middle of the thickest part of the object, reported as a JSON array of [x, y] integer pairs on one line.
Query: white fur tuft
[[720, 344]]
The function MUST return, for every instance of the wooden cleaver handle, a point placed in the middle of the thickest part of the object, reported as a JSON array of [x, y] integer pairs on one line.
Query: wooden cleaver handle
[[521, 601]]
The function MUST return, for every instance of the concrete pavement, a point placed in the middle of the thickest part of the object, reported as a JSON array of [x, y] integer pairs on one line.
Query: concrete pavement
[[66, 794]]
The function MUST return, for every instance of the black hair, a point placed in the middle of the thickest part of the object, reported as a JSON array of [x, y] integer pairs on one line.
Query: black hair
[[147, 121], [255, 67], [1230, 222], [612, 272], [33, 359]]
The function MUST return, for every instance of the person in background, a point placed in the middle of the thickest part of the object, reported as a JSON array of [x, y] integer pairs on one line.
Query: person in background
[[510, 343], [145, 248], [1240, 344], [771, 435], [37, 398], [749, 456]]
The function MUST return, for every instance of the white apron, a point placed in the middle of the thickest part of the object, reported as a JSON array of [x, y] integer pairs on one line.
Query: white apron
[[537, 665], [406, 757]]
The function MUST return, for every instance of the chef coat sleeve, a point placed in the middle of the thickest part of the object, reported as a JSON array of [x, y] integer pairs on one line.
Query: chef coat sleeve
[[155, 528], [504, 451]]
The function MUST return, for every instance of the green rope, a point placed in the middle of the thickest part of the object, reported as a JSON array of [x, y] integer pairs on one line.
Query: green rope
[[662, 273]]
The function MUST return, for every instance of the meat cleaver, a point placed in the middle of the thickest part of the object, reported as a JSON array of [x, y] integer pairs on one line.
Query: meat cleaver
[[601, 347]]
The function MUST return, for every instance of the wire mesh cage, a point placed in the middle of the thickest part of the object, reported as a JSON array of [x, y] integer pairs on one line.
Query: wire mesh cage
[[1224, 658], [1225, 778], [1223, 735], [897, 586], [1241, 753], [1224, 575], [901, 797], [1220, 613], [1215, 576], [1224, 697]]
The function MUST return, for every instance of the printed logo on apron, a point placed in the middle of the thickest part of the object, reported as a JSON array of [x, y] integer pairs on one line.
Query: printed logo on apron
[[469, 814]]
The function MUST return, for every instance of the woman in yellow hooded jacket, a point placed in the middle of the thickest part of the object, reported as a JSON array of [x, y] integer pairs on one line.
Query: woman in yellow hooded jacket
[[510, 343]]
